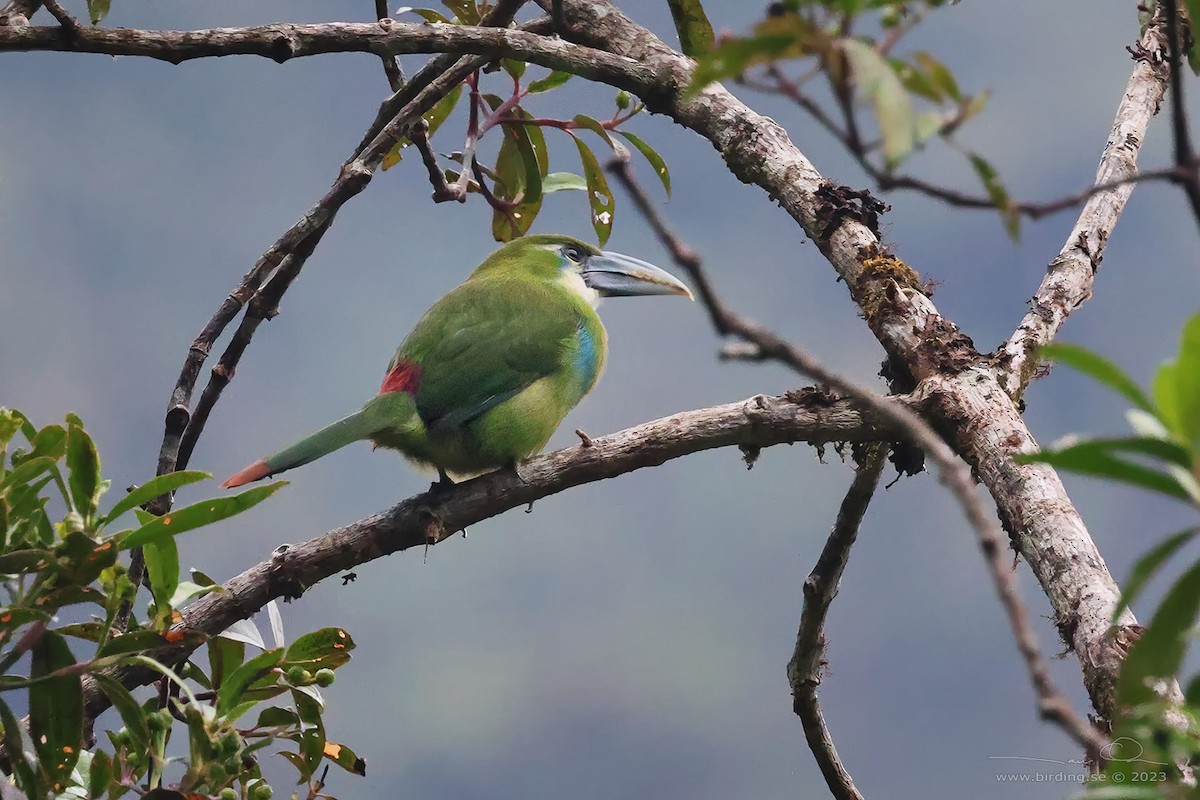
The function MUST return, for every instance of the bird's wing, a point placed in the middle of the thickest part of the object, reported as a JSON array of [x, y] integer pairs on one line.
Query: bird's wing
[[484, 343]]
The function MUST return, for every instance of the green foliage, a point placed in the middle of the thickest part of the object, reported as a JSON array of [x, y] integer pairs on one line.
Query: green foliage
[[98, 10], [1153, 732], [48, 566]]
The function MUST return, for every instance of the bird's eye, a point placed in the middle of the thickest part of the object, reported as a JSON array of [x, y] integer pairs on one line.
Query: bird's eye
[[574, 253]]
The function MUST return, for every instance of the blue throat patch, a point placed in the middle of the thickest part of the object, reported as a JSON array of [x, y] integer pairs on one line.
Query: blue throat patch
[[586, 359]]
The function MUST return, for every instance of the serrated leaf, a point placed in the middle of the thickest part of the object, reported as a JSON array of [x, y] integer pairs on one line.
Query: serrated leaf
[[555, 79], [98, 10], [1145, 567], [1159, 652], [998, 194], [232, 688], [326, 648], [1094, 458], [55, 709], [83, 461], [152, 489], [563, 181], [345, 758], [198, 515], [876, 79], [692, 25], [1098, 367], [600, 197], [656, 161]]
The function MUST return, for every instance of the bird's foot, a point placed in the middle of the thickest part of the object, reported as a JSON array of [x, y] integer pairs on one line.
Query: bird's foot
[[443, 482]]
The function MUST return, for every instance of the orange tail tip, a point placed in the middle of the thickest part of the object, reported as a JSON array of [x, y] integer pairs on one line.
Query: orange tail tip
[[255, 471]]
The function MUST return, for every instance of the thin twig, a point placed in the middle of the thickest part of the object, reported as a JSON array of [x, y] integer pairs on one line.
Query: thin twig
[[69, 23], [953, 473], [433, 517], [1184, 154], [808, 659]]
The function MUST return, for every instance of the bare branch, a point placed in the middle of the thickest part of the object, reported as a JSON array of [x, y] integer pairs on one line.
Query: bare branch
[[952, 471], [903, 318], [18, 12], [808, 659], [432, 517], [1069, 277], [1184, 153]]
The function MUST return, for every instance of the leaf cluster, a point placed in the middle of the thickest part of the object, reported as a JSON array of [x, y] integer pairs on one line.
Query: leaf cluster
[[58, 557]]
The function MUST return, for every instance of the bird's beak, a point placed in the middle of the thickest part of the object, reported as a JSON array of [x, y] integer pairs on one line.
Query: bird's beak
[[615, 275]]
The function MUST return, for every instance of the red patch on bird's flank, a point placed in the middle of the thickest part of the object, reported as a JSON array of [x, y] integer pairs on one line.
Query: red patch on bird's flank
[[402, 378]]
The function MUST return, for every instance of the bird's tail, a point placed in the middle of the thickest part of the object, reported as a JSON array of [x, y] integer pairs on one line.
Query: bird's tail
[[394, 410]]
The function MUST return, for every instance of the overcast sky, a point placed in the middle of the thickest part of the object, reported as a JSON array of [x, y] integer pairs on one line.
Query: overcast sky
[[627, 639]]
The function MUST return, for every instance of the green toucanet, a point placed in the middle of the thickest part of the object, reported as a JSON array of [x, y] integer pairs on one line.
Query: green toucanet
[[491, 370]]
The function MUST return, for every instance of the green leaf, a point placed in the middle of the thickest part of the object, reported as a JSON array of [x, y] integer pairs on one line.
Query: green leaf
[[326, 648], [83, 461], [656, 161], [429, 15], [784, 36], [434, 118], [51, 441], [1177, 387], [555, 79], [55, 709], [162, 567], [876, 79], [98, 10], [28, 781], [133, 642], [939, 75], [600, 197], [562, 181], [998, 194], [1148, 564], [1093, 457], [465, 10], [1159, 652], [276, 717], [1100, 368], [81, 558], [584, 121], [198, 515], [513, 67], [100, 774], [132, 713], [152, 489], [692, 25], [29, 469], [519, 180], [234, 686], [345, 758], [1193, 54], [18, 562]]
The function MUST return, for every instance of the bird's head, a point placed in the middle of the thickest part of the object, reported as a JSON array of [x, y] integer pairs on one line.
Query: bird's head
[[583, 268]]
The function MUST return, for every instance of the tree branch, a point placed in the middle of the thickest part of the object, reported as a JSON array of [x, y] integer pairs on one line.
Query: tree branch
[[953, 473], [1069, 277], [808, 659], [432, 517], [917, 337]]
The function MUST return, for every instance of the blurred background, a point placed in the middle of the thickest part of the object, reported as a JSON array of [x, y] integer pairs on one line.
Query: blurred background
[[628, 638]]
